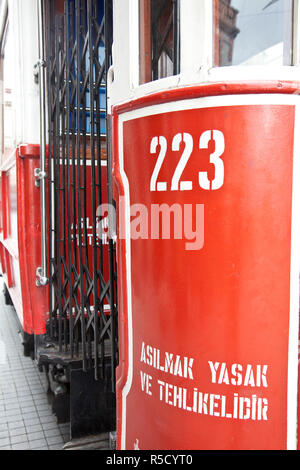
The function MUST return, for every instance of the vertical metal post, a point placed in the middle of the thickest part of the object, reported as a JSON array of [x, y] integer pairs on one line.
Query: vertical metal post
[[79, 191], [93, 170], [57, 179], [42, 278], [50, 15], [68, 156]]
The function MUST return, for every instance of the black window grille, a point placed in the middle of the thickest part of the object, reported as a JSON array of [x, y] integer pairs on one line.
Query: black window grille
[[83, 303]]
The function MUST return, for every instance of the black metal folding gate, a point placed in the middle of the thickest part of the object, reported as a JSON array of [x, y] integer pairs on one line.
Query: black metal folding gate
[[82, 275]]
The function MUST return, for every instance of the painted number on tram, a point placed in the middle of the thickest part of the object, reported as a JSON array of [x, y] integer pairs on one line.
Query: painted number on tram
[[159, 144]]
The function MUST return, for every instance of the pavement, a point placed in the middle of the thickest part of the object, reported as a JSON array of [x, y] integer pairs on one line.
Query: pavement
[[26, 420]]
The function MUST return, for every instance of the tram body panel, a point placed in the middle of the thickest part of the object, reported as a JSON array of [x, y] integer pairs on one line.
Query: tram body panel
[[22, 235], [9, 236], [20, 156], [207, 337], [35, 298]]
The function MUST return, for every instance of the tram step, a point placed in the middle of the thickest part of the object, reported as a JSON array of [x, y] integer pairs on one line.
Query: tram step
[[97, 442]]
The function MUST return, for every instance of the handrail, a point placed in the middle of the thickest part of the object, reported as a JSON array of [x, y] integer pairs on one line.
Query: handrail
[[41, 271]]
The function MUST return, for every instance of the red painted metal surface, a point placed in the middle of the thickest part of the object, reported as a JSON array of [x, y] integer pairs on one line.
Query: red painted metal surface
[[20, 249], [203, 332], [35, 299], [9, 236]]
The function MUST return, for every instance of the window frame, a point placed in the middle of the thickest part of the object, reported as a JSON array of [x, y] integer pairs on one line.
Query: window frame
[[146, 40], [196, 63], [216, 49]]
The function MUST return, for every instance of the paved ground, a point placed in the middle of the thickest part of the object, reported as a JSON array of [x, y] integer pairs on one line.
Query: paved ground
[[26, 421]]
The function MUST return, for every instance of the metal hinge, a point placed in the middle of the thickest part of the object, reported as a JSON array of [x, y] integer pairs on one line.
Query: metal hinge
[[39, 175], [41, 279]]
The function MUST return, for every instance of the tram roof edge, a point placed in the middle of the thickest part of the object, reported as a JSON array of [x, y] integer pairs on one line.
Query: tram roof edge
[[210, 89]]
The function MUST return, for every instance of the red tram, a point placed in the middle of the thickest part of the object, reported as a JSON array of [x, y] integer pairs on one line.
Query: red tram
[[206, 172], [150, 215]]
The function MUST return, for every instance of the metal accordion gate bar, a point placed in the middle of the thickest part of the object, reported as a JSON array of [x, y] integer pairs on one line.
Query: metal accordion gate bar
[[83, 306]]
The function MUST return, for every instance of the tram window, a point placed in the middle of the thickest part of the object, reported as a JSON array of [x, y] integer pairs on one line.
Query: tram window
[[256, 32], [159, 39], [7, 59]]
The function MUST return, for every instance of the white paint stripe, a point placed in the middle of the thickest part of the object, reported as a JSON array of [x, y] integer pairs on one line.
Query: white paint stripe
[[87, 163], [213, 102], [210, 102], [127, 386]]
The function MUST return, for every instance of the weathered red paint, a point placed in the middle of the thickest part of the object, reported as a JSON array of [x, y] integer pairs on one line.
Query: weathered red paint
[[9, 237], [35, 299], [211, 89]]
